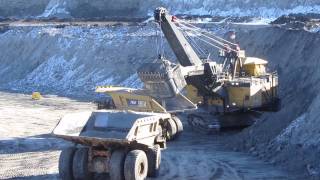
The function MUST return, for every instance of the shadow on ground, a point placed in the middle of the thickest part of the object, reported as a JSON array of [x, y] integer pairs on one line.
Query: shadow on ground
[[39, 177], [44, 142]]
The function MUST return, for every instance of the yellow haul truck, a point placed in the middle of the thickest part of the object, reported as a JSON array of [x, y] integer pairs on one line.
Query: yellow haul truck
[[125, 144]]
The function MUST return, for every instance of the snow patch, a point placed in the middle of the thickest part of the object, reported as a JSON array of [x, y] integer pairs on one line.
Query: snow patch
[[56, 8], [79, 58], [55, 69]]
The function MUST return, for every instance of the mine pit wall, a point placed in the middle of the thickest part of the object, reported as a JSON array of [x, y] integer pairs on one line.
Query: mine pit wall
[[22, 8], [82, 9], [73, 60], [103, 8], [290, 137], [85, 9]]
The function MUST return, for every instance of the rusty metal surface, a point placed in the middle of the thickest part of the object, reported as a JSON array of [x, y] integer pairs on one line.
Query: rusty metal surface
[[96, 142]]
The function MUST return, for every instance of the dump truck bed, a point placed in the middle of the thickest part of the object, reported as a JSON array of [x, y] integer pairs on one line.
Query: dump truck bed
[[98, 128]]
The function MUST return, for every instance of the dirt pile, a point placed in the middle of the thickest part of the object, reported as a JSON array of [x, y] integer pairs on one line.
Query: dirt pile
[[73, 60], [309, 22], [290, 137]]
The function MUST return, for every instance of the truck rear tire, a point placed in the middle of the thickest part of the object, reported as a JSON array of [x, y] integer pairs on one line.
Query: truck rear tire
[[154, 161], [65, 163], [171, 129], [117, 165], [136, 165], [80, 165], [178, 124]]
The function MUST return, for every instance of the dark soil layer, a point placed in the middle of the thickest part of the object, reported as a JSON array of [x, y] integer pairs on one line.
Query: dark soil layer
[[299, 21], [280, 137]]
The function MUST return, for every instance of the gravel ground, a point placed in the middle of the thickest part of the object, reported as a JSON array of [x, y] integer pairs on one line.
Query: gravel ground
[[28, 151]]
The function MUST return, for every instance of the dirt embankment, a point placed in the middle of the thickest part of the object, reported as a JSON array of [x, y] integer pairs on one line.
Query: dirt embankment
[[142, 8], [289, 138], [73, 60], [22, 8]]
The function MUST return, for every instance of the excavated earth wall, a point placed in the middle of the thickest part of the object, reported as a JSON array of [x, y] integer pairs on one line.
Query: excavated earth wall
[[71, 61], [143, 8], [291, 137], [22, 8]]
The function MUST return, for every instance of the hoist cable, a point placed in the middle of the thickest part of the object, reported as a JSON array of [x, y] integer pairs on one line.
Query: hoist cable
[[194, 44], [204, 31], [216, 41], [200, 34]]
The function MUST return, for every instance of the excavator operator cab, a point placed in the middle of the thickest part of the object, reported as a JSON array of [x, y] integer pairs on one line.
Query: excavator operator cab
[[254, 66]]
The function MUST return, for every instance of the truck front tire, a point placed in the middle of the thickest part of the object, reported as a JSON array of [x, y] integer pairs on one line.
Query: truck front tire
[[65, 163], [136, 165]]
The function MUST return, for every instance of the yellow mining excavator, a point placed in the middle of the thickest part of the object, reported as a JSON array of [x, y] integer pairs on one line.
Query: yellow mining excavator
[[216, 93]]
